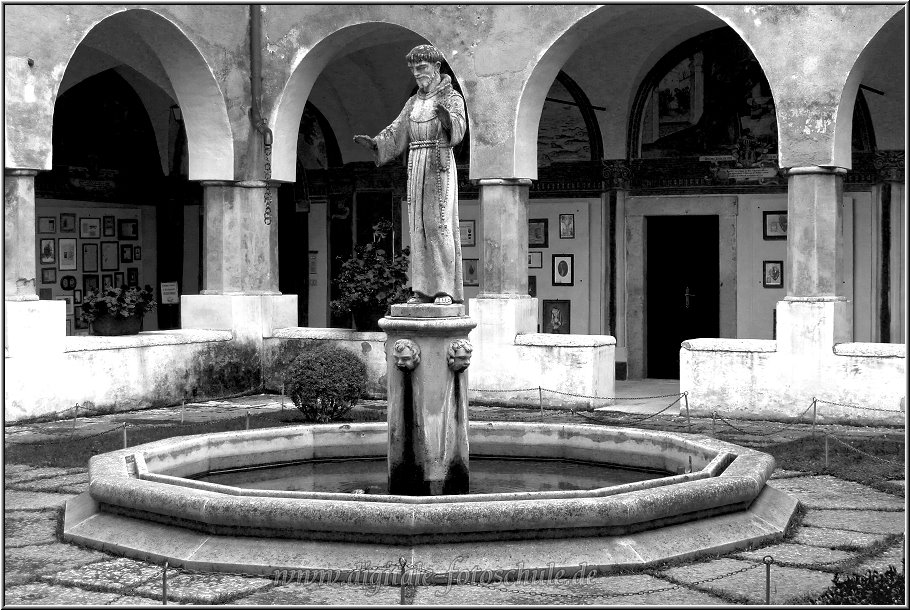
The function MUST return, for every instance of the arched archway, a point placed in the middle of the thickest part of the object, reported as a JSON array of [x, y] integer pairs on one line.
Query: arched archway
[[157, 49]]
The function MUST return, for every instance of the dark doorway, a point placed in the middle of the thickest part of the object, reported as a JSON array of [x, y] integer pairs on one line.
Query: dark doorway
[[682, 287]]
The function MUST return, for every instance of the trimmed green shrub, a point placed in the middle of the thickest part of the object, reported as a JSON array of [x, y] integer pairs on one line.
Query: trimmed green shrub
[[873, 587], [325, 382]]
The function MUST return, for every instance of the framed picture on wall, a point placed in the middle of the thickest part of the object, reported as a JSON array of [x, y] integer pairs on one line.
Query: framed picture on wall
[[78, 322], [567, 226], [48, 275], [118, 279], [469, 272], [537, 233], [90, 284], [67, 223], [68, 282], [557, 317], [532, 285], [45, 294], [107, 281], [69, 327], [128, 229], [126, 253], [774, 224], [67, 253], [89, 228], [48, 250], [137, 253], [535, 260], [47, 224], [773, 274], [132, 276], [77, 297], [109, 256], [89, 258], [563, 269], [466, 230], [107, 226]]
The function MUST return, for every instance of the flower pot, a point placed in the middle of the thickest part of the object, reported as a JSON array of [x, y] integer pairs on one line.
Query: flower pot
[[108, 326]]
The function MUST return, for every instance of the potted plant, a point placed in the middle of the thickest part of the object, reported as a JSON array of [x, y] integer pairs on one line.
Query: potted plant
[[372, 280], [117, 311]]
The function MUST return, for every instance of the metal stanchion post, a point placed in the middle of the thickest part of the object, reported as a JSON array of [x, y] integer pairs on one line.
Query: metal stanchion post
[[688, 419], [182, 410], [404, 564], [826, 449], [714, 424], [75, 415], [247, 420], [768, 561], [282, 397], [814, 413], [540, 399], [164, 585], [124, 435]]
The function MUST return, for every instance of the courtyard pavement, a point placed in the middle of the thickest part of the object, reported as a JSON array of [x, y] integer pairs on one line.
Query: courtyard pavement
[[843, 527]]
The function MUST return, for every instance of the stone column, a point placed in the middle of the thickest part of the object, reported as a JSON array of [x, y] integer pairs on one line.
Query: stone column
[[32, 327], [503, 308], [240, 265], [814, 315]]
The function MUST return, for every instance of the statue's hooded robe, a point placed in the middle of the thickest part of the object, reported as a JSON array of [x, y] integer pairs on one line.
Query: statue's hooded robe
[[435, 263]]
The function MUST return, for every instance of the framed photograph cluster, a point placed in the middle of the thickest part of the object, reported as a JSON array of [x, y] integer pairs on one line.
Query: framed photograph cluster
[[78, 254], [774, 224], [538, 233], [467, 234], [469, 272], [772, 274], [557, 316], [563, 269]]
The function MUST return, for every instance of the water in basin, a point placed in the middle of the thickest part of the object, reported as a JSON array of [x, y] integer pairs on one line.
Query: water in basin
[[488, 475]]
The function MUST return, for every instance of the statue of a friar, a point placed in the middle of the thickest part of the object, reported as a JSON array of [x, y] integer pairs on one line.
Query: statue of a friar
[[430, 124]]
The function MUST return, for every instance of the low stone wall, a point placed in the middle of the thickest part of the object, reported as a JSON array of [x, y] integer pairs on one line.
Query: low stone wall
[[119, 373], [752, 379]]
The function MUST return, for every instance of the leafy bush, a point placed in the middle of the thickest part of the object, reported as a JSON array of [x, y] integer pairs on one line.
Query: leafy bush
[[372, 280], [325, 382], [123, 302], [873, 587]]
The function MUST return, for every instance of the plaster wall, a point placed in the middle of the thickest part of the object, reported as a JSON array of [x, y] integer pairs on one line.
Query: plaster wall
[[318, 306], [192, 250], [124, 373]]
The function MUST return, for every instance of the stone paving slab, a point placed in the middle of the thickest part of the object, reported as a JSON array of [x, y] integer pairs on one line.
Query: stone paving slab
[[24, 528], [892, 556], [40, 593], [33, 473], [799, 554], [781, 473], [832, 537], [120, 576], [34, 500], [295, 594], [28, 563], [67, 482], [786, 583], [207, 588], [567, 592], [133, 600], [872, 521], [830, 492]]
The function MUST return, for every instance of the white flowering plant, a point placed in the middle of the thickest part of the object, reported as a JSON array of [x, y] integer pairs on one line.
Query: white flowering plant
[[121, 302]]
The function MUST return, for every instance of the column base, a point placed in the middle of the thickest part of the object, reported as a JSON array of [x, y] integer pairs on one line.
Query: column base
[[34, 328], [248, 316], [807, 325]]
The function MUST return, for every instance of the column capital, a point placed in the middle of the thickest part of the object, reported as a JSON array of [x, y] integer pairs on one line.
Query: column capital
[[19, 171], [504, 182], [816, 169]]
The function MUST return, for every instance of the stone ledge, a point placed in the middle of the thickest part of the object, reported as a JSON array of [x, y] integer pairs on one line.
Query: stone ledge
[[338, 334], [553, 340], [90, 343], [730, 345], [871, 350]]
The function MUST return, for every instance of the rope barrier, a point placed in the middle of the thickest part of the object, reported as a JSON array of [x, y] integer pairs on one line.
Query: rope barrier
[[861, 452], [840, 404]]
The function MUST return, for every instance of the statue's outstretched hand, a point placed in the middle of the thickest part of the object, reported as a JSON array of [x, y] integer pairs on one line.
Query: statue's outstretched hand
[[366, 142]]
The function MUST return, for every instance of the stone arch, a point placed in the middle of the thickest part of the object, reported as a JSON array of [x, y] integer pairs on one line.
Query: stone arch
[[288, 109], [189, 79], [876, 56], [554, 56]]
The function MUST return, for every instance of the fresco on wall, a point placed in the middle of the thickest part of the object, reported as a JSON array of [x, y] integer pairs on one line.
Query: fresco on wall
[[562, 134], [713, 102], [311, 146]]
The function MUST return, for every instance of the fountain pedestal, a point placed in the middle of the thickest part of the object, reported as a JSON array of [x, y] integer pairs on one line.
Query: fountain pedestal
[[427, 353]]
